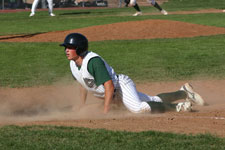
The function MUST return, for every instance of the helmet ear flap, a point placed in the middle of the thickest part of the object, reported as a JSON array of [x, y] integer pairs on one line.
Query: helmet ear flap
[[78, 51], [82, 53]]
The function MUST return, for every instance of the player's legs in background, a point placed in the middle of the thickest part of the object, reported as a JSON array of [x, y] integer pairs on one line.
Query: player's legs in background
[[34, 7], [136, 7], [156, 5], [127, 2], [50, 7]]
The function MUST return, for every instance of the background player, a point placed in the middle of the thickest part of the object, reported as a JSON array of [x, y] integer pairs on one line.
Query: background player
[[136, 7], [95, 75], [35, 4]]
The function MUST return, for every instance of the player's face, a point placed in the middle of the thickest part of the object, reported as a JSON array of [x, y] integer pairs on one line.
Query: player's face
[[71, 54]]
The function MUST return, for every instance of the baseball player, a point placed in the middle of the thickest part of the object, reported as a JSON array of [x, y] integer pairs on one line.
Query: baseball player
[[35, 4], [138, 11], [95, 75]]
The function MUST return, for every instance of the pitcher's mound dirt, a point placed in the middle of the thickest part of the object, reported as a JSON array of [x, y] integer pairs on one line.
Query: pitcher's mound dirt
[[146, 29]]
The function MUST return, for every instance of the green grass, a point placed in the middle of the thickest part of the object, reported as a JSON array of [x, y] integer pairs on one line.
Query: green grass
[[64, 138], [194, 4], [33, 64], [30, 64], [167, 59]]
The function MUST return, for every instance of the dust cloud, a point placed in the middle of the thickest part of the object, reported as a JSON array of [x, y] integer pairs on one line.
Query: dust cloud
[[46, 103]]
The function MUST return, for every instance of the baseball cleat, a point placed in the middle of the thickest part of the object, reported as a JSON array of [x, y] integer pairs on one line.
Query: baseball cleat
[[192, 96], [184, 106], [51, 14], [32, 14], [137, 13], [164, 12]]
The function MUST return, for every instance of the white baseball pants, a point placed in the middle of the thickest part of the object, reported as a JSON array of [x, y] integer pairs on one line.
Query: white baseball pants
[[133, 100], [35, 4], [133, 2]]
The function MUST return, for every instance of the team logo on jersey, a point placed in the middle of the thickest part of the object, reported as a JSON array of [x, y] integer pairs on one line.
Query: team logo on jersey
[[89, 82]]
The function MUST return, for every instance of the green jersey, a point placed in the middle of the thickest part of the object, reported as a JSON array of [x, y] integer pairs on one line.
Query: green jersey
[[96, 67]]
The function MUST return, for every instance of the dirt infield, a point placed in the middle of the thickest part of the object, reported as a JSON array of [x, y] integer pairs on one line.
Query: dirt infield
[[52, 105]]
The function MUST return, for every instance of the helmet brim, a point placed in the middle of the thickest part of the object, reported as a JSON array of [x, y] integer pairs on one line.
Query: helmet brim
[[63, 44], [67, 46]]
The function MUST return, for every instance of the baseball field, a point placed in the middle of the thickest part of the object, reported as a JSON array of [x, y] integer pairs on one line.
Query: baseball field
[[160, 53]]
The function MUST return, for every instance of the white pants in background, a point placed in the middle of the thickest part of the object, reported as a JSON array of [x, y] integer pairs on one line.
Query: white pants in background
[[35, 4], [133, 2]]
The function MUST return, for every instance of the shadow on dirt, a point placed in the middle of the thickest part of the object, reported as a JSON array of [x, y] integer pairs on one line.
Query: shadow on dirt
[[20, 36]]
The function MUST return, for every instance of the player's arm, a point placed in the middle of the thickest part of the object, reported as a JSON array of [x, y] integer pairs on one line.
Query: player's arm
[[83, 96], [97, 69], [109, 91]]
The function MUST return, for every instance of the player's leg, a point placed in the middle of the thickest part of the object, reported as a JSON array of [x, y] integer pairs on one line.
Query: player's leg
[[129, 95], [50, 7], [138, 102], [34, 7], [186, 92], [136, 7], [172, 96], [163, 101], [127, 2], [156, 5], [157, 103]]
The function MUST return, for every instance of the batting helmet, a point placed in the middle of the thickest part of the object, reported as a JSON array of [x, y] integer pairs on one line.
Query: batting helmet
[[76, 41]]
